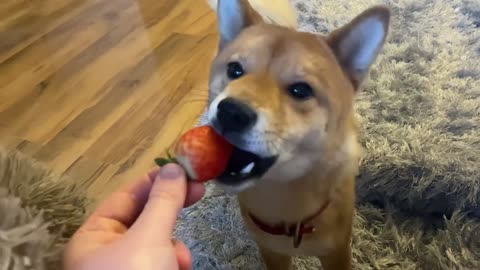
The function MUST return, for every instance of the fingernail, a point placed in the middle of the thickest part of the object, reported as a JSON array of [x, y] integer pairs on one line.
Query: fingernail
[[170, 171]]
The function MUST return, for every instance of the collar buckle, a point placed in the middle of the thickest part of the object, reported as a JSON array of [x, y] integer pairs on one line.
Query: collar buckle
[[296, 231]]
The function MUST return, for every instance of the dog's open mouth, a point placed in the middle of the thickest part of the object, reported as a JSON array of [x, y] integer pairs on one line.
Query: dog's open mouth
[[243, 166]]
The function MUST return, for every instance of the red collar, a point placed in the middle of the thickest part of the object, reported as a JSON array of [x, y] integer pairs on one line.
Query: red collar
[[291, 230]]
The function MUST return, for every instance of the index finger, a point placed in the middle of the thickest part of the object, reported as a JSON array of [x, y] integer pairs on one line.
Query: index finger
[[123, 206], [121, 209]]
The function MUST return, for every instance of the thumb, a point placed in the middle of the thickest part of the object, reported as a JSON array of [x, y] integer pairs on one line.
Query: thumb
[[166, 199]]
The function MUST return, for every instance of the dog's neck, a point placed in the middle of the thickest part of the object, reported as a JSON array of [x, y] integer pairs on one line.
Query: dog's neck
[[280, 202]]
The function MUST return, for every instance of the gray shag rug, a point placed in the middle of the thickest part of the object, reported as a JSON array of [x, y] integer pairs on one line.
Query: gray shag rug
[[39, 211], [419, 187]]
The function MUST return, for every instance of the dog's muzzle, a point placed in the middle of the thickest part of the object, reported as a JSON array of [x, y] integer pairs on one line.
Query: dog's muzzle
[[244, 166], [234, 116], [234, 120]]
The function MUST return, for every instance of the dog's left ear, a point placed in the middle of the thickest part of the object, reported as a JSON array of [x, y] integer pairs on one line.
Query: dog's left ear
[[357, 44], [233, 17]]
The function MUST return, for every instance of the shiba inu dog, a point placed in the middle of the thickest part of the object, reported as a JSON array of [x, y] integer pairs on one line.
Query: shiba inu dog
[[285, 99]]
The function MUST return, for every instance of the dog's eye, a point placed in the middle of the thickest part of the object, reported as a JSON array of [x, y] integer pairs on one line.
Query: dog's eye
[[234, 70], [300, 91]]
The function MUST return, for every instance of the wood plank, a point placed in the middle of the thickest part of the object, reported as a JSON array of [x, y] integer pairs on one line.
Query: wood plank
[[24, 22], [129, 95], [97, 89], [184, 115], [46, 56], [85, 83]]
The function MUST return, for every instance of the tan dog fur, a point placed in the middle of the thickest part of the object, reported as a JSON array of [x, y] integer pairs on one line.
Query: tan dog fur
[[315, 139]]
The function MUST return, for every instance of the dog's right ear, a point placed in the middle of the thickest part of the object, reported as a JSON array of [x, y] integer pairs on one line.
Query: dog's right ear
[[233, 17]]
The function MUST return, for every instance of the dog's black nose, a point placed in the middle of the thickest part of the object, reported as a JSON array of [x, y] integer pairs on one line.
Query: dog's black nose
[[235, 116]]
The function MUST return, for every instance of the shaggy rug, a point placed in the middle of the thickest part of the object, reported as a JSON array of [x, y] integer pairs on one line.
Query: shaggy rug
[[39, 211], [419, 186]]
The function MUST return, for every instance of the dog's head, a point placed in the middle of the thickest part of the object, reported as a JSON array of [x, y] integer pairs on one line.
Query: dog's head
[[284, 98]]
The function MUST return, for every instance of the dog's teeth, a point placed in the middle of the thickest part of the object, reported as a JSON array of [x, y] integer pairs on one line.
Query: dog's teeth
[[248, 169]]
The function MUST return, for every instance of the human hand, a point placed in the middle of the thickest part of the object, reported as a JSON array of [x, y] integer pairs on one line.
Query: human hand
[[133, 228]]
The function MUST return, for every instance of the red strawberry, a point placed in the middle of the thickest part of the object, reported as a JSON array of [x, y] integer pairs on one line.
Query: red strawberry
[[202, 152]]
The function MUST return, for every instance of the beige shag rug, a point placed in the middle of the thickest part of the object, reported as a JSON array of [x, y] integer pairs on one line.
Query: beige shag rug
[[419, 188], [39, 211]]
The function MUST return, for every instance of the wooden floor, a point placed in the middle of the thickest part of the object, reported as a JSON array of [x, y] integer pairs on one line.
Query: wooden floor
[[97, 89]]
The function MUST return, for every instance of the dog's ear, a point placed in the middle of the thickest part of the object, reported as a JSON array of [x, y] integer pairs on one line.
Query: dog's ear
[[233, 17], [357, 44]]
